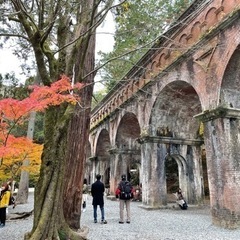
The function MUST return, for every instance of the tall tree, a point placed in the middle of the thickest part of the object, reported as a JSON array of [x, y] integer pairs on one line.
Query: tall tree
[[61, 34], [138, 25]]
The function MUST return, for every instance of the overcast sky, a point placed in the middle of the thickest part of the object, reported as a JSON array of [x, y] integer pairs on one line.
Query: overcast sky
[[104, 42]]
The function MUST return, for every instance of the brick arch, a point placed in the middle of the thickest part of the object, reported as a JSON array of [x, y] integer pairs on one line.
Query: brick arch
[[129, 89], [102, 143], [230, 87], [174, 109], [154, 66], [227, 5], [128, 131], [102, 155], [195, 31], [147, 73], [173, 50], [162, 60], [181, 170], [183, 39], [211, 17]]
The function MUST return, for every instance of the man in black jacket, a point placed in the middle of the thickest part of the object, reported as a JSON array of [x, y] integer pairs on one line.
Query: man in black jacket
[[97, 191]]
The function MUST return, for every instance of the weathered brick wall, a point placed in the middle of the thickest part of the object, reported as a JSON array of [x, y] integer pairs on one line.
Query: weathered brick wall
[[196, 69]]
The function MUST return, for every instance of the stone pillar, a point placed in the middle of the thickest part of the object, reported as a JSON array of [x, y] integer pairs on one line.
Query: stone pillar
[[154, 193], [114, 170], [154, 151], [119, 164], [198, 196], [190, 174], [93, 172], [222, 141], [124, 164], [185, 172]]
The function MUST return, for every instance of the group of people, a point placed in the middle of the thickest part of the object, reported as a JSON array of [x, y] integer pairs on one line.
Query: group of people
[[124, 192], [97, 192]]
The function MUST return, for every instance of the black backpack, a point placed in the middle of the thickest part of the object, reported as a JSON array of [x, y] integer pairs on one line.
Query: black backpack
[[11, 200], [126, 191]]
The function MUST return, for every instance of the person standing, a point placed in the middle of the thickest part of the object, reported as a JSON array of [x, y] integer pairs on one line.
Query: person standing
[[4, 201], [125, 193], [84, 194], [97, 191]]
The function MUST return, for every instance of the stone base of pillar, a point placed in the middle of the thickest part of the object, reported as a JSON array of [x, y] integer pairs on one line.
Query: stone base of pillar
[[229, 221], [111, 197], [170, 206]]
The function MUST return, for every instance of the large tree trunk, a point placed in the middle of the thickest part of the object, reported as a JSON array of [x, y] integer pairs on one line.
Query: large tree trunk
[[57, 205], [78, 139], [49, 222], [79, 132]]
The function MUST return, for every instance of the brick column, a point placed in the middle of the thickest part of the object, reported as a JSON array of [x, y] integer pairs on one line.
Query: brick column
[[114, 170], [119, 164], [93, 170], [154, 193], [222, 141], [190, 171]]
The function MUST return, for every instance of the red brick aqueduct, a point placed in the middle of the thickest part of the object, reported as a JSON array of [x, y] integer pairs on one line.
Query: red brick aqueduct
[[188, 80]]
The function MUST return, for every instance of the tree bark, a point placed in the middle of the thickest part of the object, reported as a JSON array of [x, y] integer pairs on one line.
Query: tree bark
[[79, 132], [60, 46], [49, 222]]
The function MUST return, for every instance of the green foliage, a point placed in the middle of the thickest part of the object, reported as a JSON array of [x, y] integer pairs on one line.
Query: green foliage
[[97, 97], [33, 179], [138, 22], [10, 87], [21, 130], [38, 136]]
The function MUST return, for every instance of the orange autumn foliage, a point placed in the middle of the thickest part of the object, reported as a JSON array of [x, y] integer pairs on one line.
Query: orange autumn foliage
[[39, 99], [12, 165], [13, 112]]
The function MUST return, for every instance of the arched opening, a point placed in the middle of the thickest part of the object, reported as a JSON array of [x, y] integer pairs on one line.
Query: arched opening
[[107, 181], [129, 150], [179, 141], [102, 163], [172, 176], [230, 89]]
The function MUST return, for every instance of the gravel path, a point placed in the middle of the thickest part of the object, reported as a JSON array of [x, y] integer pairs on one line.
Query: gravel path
[[169, 224]]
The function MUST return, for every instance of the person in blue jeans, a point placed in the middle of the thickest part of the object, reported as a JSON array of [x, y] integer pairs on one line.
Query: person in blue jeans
[[97, 190]]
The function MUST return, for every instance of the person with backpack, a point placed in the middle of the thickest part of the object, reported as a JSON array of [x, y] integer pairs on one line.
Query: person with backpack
[[124, 193], [4, 201]]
